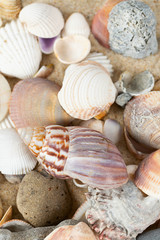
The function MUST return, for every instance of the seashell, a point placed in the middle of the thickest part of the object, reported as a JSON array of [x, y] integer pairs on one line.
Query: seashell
[[17, 159], [81, 231], [44, 71], [93, 124], [131, 169], [79, 184], [141, 124], [76, 24], [101, 59], [112, 130], [147, 176], [20, 54], [7, 123], [5, 93], [123, 99], [127, 27], [46, 44], [14, 178], [42, 20], [72, 49], [66, 151], [80, 212], [121, 213], [34, 103], [16, 225], [7, 216], [9, 9], [87, 90], [1, 22]]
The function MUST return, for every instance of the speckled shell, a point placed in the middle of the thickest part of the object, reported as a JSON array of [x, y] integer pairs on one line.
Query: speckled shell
[[42, 20], [5, 93], [20, 54], [9, 9], [147, 176], [87, 90], [34, 103]]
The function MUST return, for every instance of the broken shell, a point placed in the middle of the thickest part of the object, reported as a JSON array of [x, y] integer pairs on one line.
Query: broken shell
[[9, 9], [14, 178], [79, 184], [42, 20], [66, 151], [7, 123], [46, 44], [44, 71], [127, 27], [7, 216], [142, 121], [123, 99], [93, 124], [147, 176], [17, 159], [101, 59], [87, 90], [76, 24], [20, 54], [80, 212], [34, 103], [112, 130], [16, 225], [72, 49], [5, 93]]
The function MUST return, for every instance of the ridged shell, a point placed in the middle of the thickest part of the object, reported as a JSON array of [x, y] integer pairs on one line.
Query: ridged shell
[[15, 156], [9, 9], [87, 90], [5, 93], [76, 24], [147, 176], [42, 20], [72, 49], [34, 103], [6, 123], [20, 53]]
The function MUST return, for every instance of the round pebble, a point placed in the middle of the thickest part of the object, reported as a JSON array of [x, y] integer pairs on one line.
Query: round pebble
[[42, 199]]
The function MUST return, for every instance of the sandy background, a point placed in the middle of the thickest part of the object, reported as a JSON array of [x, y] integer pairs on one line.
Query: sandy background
[[89, 8]]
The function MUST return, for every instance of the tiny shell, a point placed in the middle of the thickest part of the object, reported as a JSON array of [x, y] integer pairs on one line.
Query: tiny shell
[[44, 71], [20, 54], [7, 216], [72, 49], [80, 212], [123, 99], [112, 130], [9, 9], [7, 123], [76, 24], [5, 93], [42, 20], [46, 44]]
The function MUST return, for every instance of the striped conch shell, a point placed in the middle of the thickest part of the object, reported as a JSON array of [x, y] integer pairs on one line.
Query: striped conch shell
[[9, 9], [5, 93], [87, 90]]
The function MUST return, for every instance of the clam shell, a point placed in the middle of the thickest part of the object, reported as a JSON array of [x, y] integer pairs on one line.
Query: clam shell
[[147, 176], [9, 9], [87, 90], [20, 53], [112, 130], [5, 93], [76, 24], [42, 20], [34, 103], [72, 49], [7, 123], [16, 158]]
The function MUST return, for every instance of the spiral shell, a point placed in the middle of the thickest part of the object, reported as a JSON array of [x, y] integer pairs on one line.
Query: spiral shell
[[5, 93], [9, 9]]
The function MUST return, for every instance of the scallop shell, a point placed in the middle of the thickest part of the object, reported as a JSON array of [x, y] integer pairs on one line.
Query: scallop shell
[[7, 123], [17, 159], [34, 103], [42, 20], [5, 93], [20, 53], [87, 90], [72, 49], [147, 176], [76, 24], [9, 9]]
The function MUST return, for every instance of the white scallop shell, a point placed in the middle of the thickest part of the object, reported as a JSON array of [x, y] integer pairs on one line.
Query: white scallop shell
[[15, 155], [20, 54], [7, 123], [72, 49], [87, 90], [5, 93], [76, 24], [42, 20]]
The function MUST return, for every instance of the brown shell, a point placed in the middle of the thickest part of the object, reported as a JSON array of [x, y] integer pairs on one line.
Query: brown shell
[[9, 9]]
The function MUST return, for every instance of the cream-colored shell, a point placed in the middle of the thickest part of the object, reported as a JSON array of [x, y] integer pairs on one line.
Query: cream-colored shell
[[76, 24], [9, 9], [72, 49], [87, 90], [42, 20], [6, 123], [20, 53], [5, 93]]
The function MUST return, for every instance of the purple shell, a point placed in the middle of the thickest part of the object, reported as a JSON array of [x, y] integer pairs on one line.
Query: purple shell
[[46, 44]]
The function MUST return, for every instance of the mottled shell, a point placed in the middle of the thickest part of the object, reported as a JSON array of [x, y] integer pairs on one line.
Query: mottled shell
[[9, 9], [20, 54], [5, 93], [42, 20], [87, 90], [147, 176], [34, 103]]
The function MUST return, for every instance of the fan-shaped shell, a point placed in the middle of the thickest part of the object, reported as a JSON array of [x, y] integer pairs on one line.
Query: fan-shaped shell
[[87, 90], [15, 156], [34, 103], [76, 24], [42, 20], [9, 9], [20, 53], [5, 93]]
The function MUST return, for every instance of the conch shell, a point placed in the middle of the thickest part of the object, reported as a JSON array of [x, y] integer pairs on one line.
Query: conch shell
[[9, 9]]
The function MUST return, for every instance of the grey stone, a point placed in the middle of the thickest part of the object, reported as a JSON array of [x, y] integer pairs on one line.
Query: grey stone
[[151, 235], [123, 99]]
